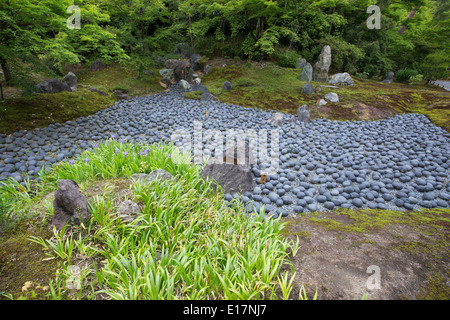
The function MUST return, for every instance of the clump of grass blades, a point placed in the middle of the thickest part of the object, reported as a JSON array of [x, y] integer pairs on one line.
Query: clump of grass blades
[[116, 158], [186, 243], [14, 198]]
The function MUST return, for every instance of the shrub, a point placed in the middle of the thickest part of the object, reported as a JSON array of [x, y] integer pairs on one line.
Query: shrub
[[373, 62], [417, 79], [287, 59], [362, 76], [345, 54], [405, 75]]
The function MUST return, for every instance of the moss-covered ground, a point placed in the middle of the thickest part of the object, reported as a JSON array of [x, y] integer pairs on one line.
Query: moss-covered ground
[[270, 87], [40, 110]]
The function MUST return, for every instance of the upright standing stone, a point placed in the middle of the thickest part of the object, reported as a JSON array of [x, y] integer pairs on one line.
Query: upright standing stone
[[322, 66], [301, 63], [70, 205], [71, 80], [389, 78], [179, 67], [307, 73], [227, 85], [303, 114]]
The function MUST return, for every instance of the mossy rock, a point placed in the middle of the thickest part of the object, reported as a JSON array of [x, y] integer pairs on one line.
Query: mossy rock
[[195, 95]]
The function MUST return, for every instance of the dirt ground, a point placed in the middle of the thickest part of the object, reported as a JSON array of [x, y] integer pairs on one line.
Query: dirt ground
[[395, 262]]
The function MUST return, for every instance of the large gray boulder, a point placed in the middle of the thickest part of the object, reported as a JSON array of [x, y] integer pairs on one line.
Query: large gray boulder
[[71, 80], [97, 65], [232, 178], [307, 73], [53, 86], [180, 68], [184, 85], [307, 88], [168, 76], [332, 97], [70, 205], [322, 66], [341, 79]]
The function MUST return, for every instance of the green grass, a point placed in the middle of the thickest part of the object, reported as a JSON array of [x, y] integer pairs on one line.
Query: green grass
[[186, 244]]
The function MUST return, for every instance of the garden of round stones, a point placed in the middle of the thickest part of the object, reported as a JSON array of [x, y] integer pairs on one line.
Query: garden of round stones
[[400, 163]]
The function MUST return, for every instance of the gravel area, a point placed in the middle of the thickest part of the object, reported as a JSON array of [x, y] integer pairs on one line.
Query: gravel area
[[397, 163]]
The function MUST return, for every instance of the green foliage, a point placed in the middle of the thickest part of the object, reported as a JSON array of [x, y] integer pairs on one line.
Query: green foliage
[[185, 244], [374, 63], [416, 79], [344, 55], [405, 75], [253, 29], [287, 59]]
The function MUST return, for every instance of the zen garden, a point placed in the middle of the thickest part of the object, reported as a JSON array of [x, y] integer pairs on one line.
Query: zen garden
[[224, 150]]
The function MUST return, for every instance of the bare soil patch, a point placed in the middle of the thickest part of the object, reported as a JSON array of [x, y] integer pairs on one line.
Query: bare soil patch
[[412, 259]]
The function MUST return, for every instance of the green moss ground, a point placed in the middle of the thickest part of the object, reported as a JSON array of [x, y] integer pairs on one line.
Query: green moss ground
[[22, 261], [270, 87], [40, 110]]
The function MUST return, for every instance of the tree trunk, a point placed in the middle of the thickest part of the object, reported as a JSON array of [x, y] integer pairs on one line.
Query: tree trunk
[[410, 16], [142, 30], [1, 92], [249, 28], [6, 71], [331, 23], [190, 33]]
